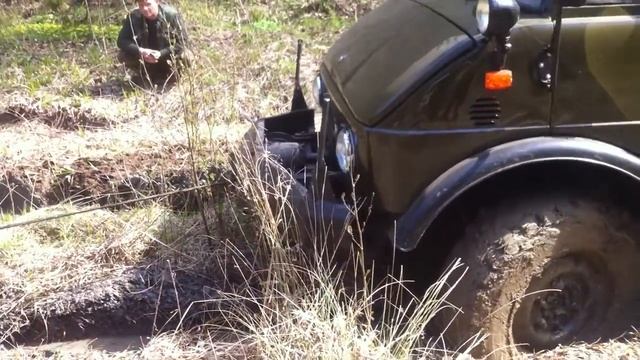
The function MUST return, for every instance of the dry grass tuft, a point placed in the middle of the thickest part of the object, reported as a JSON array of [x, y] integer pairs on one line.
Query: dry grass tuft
[[171, 345], [624, 348], [309, 306]]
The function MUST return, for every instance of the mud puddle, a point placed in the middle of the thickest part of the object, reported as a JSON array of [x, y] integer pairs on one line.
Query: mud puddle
[[102, 344], [143, 301]]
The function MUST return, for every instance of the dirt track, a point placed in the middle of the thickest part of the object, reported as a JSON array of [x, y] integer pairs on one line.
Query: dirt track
[[138, 300], [92, 155]]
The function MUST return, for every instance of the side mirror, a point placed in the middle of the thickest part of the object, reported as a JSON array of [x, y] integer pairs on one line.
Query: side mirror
[[496, 17]]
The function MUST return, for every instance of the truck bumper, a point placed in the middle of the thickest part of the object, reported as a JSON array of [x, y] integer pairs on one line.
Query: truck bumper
[[321, 221], [321, 224]]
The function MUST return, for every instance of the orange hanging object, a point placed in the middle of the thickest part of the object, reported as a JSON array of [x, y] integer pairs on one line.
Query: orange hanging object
[[498, 80]]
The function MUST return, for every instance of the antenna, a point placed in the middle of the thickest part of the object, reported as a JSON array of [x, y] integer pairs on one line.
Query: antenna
[[298, 102]]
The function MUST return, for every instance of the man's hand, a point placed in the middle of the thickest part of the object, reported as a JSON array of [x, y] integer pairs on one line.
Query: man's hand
[[150, 56]]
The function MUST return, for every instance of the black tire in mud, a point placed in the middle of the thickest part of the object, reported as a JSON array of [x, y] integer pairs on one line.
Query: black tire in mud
[[546, 270]]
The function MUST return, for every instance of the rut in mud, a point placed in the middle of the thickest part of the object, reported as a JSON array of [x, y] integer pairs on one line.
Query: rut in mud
[[106, 181], [174, 282], [140, 301], [58, 116], [112, 296], [94, 153]]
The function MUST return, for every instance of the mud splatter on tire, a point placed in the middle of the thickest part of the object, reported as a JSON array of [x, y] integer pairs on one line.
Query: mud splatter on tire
[[512, 249]]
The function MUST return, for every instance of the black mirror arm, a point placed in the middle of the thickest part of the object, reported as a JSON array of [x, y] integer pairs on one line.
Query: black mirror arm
[[555, 53], [499, 54]]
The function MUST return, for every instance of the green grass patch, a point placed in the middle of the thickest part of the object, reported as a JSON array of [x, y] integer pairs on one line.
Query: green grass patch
[[266, 25], [55, 32], [315, 25], [5, 218], [67, 69]]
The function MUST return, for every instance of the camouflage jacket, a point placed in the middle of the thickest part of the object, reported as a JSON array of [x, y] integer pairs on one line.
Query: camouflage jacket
[[170, 30]]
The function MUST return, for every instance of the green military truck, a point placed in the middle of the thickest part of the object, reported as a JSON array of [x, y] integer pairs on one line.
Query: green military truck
[[504, 133]]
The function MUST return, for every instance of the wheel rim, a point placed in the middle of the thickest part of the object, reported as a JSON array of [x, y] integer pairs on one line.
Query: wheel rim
[[558, 313], [569, 298]]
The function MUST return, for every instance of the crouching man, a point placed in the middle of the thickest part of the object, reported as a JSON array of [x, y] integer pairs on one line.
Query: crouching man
[[153, 41]]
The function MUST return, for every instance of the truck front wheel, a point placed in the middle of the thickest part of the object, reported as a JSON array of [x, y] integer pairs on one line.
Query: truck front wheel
[[546, 270]]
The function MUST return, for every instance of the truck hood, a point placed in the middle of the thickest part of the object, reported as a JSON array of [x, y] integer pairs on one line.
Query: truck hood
[[385, 56], [459, 12]]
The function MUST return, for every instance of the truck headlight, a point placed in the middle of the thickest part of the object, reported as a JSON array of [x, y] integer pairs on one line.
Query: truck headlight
[[482, 15], [345, 149], [497, 17]]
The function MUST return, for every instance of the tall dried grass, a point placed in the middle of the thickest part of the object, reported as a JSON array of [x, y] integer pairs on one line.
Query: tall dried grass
[[307, 305]]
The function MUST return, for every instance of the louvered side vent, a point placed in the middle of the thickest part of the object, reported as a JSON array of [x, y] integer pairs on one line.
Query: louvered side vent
[[485, 111]]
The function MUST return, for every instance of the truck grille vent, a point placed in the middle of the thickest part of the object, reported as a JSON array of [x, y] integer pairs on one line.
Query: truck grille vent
[[485, 111]]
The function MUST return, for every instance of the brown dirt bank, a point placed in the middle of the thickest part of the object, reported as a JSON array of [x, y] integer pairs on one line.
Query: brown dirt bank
[[104, 181]]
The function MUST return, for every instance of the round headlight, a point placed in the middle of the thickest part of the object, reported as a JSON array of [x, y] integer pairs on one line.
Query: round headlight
[[483, 11], [497, 17], [345, 148], [318, 90]]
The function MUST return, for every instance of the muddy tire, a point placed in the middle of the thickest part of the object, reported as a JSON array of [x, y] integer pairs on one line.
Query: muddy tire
[[546, 270]]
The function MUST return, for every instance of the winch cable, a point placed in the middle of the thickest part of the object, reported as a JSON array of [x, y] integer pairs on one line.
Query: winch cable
[[103, 207]]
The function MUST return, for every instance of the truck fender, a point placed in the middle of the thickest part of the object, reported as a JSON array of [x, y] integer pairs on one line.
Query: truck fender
[[413, 224]]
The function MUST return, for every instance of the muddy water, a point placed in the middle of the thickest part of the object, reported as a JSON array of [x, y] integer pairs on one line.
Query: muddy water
[[116, 311], [102, 344]]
